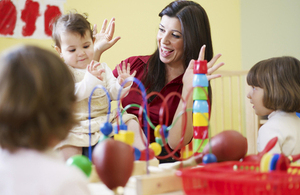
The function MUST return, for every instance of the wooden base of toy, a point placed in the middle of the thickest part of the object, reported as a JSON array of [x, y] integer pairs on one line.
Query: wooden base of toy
[[159, 180], [156, 183], [139, 168]]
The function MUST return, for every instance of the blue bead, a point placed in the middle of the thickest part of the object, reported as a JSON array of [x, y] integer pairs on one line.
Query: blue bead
[[137, 154], [164, 131], [106, 128], [200, 106], [273, 162], [209, 158], [200, 80]]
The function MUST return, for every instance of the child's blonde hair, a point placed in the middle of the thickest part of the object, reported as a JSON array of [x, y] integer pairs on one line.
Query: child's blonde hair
[[280, 79], [36, 98]]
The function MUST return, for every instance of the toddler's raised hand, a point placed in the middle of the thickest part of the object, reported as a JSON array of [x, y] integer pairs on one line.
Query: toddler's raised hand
[[104, 39], [93, 69], [124, 74]]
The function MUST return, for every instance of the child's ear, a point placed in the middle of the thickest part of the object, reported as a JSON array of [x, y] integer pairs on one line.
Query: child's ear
[[58, 51]]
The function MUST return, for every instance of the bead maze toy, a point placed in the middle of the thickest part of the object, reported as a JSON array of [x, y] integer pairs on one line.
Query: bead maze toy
[[228, 146], [122, 134]]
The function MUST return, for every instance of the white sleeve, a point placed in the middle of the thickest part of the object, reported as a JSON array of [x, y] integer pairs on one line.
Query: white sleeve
[[265, 134], [113, 85], [84, 88], [74, 184]]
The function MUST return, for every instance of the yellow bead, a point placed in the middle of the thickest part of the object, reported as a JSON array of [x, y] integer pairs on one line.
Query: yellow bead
[[125, 136], [156, 131], [265, 162], [200, 119], [156, 148]]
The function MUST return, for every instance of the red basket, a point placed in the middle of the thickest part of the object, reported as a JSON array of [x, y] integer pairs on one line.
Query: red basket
[[240, 178]]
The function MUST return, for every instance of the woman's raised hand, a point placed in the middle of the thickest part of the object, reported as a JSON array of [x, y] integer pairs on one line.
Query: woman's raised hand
[[211, 68]]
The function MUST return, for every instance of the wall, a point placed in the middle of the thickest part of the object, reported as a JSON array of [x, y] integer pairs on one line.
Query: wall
[[137, 23], [269, 28]]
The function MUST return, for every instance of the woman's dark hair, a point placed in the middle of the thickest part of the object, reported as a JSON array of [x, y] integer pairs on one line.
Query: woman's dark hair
[[280, 79], [196, 33]]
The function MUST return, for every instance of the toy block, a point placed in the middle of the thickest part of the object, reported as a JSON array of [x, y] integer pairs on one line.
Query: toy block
[[125, 136], [200, 80], [200, 93], [200, 106], [197, 143], [199, 131], [200, 67], [200, 119]]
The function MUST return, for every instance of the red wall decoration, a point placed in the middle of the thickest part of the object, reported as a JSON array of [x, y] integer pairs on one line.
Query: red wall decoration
[[28, 18]]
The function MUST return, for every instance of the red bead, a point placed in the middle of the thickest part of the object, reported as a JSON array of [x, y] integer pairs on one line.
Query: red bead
[[144, 156], [199, 131], [200, 67]]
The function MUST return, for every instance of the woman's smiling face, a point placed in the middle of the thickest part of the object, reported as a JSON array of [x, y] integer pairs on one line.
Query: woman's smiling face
[[170, 41]]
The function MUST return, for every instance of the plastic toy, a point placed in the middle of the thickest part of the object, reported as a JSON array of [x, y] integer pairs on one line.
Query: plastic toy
[[82, 162], [200, 106], [114, 162]]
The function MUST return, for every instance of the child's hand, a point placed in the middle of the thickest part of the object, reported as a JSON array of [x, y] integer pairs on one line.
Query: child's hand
[[93, 69], [104, 39], [124, 74]]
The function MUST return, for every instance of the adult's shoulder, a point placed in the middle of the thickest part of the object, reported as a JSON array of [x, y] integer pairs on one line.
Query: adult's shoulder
[[137, 60], [136, 63]]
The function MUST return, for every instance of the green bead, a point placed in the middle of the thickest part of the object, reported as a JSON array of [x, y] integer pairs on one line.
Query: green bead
[[103, 137], [81, 162], [200, 93], [196, 144], [159, 141]]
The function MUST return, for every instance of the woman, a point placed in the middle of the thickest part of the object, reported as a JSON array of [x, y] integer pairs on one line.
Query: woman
[[184, 31]]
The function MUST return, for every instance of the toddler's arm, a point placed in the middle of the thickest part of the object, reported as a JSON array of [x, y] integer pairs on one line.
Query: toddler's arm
[[124, 74], [93, 76], [113, 84], [104, 39]]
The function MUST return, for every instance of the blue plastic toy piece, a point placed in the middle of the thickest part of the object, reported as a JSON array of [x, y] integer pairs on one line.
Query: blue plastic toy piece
[[106, 128], [137, 154], [273, 162], [200, 106], [209, 158], [200, 80]]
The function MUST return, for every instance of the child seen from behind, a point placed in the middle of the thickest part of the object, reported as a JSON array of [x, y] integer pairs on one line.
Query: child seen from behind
[[36, 113]]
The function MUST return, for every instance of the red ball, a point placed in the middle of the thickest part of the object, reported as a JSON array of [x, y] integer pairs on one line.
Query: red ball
[[228, 145], [114, 162]]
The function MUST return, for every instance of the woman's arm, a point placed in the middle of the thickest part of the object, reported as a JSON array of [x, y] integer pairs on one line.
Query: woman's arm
[[176, 131]]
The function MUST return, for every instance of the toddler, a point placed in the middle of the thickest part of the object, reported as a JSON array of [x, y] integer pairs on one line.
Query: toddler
[[275, 92], [74, 42], [36, 112]]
